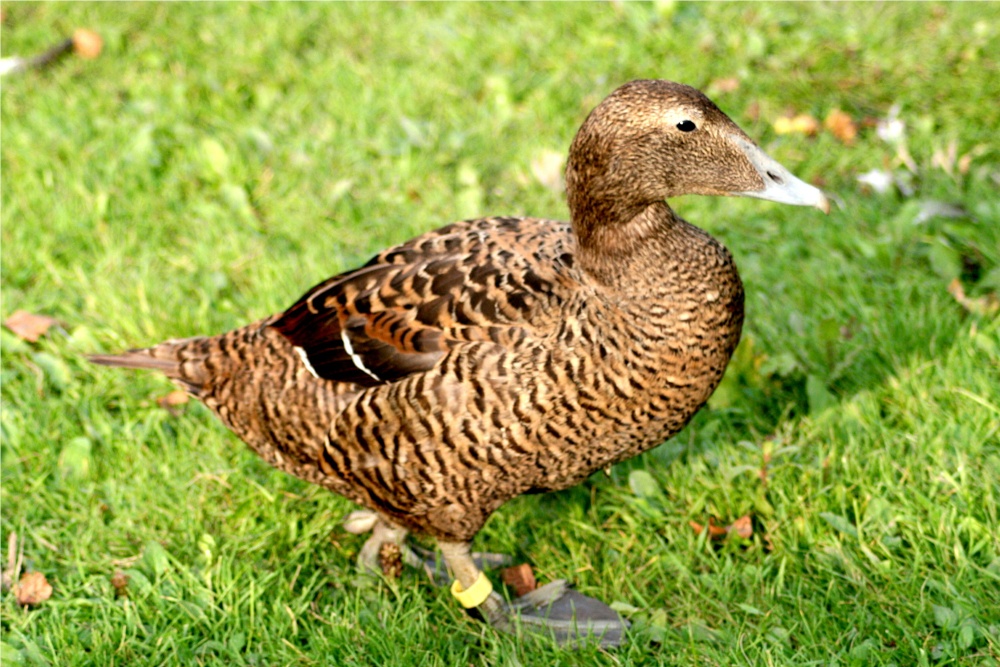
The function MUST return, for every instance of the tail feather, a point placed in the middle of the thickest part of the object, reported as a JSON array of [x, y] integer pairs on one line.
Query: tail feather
[[180, 360], [200, 363], [138, 359]]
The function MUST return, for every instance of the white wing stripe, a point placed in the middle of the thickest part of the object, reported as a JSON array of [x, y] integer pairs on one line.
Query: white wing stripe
[[355, 358], [305, 360]]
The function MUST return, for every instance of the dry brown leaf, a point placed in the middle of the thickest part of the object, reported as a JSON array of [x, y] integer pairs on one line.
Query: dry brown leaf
[[120, 581], [715, 532], [801, 124], [521, 578], [742, 527], [28, 326], [173, 400], [724, 85], [87, 43], [981, 305], [841, 125], [805, 124], [33, 589]]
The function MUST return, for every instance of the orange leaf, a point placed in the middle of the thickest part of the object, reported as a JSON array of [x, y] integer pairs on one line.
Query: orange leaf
[[983, 305], [801, 124], [87, 43], [521, 578], [33, 589], [724, 85], [27, 326], [841, 126], [742, 527], [714, 532], [171, 401]]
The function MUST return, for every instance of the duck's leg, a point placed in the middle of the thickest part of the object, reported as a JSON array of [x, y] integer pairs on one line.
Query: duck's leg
[[554, 610], [383, 532]]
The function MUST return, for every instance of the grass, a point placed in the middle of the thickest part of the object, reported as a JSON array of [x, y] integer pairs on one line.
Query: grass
[[219, 159]]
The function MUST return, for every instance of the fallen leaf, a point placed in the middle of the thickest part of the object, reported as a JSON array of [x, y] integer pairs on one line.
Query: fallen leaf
[[841, 125], [28, 326], [981, 305], [715, 533], [724, 85], [547, 168], [801, 124], [173, 400], [120, 582], [521, 578], [742, 527], [87, 43], [33, 589]]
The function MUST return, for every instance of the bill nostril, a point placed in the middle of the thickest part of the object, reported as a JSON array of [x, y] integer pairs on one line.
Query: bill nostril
[[774, 177]]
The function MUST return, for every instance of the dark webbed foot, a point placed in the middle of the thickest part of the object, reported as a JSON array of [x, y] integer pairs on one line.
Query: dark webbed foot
[[554, 610]]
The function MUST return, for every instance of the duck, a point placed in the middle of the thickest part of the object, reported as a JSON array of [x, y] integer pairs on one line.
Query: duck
[[501, 356]]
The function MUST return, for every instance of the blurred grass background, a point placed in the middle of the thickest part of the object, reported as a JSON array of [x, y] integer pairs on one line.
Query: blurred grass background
[[219, 159]]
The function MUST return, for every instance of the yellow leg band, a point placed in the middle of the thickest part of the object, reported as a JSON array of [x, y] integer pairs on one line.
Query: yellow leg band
[[474, 595]]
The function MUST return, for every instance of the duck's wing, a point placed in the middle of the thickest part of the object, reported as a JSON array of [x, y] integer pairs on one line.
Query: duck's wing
[[493, 279]]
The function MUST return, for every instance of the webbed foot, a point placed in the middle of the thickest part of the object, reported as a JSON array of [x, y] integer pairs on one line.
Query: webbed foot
[[554, 610]]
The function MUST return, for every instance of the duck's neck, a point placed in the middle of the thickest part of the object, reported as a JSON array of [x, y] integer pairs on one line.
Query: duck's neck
[[619, 244]]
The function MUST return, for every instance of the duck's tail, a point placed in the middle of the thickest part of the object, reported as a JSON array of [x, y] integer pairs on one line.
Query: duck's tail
[[180, 360]]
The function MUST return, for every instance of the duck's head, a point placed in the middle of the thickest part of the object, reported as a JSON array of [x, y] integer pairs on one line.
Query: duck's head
[[650, 140]]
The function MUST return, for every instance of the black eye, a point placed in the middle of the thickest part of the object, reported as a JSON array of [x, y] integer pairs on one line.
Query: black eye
[[686, 126]]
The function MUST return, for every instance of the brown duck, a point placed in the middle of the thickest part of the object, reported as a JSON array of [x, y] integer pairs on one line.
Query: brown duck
[[502, 356]]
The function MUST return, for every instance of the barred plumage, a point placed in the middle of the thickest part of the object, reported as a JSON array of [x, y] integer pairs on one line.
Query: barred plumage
[[500, 356]]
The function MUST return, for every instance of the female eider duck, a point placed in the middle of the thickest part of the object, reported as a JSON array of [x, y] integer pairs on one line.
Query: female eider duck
[[502, 356]]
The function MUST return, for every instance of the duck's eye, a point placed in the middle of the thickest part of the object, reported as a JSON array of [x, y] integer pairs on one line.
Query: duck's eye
[[686, 126]]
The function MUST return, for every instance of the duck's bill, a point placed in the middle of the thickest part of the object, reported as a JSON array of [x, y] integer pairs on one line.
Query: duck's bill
[[779, 183]]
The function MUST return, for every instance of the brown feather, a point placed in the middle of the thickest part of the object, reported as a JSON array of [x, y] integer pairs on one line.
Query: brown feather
[[499, 356]]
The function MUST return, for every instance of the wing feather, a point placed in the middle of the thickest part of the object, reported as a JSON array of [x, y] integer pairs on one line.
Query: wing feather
[[405, 309]]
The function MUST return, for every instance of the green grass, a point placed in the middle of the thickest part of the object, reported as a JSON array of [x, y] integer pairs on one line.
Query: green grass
[[219, 159]]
